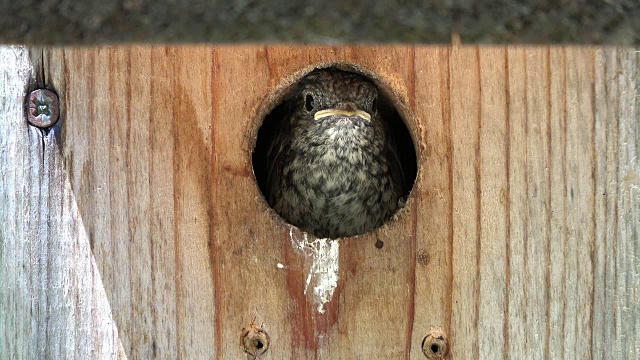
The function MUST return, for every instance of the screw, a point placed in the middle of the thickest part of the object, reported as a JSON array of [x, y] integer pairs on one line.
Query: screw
[[254, 340], [43, 108], [434, 345]]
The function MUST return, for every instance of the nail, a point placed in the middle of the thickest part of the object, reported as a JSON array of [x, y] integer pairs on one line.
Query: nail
[[43, 108]]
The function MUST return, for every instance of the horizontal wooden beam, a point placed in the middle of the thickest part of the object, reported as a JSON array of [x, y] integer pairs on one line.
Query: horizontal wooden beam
[[434, 21]]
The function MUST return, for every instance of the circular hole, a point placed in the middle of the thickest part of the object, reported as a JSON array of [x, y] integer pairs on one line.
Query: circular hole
[[333, 155], [254, 340], [434, 345]]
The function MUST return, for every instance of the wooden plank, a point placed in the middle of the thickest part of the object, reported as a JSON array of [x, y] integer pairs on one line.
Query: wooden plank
[[557, 238], [248, 283], [537, 173], [135, 228], [434, 234], [17, 330], [580, 197], [53, 302], [627, 243], [465, 164], [493, 199], [191, 98], [163, 249]]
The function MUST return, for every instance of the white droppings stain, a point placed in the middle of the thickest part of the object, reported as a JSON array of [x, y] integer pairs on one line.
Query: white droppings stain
[[279, 266], [323, 272]]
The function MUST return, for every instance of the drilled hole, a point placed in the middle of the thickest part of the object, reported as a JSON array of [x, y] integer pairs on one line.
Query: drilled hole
[[333, 155], [254, 340], [434, 345]]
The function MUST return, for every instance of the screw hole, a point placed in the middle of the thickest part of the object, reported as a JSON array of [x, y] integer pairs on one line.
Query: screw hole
[[434, 345], [254, 340]]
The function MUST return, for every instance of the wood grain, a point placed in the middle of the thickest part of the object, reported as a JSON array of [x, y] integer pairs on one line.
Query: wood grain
[[134, 228]]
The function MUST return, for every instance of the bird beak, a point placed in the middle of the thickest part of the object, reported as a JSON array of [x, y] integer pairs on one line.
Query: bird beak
[[330, 112]]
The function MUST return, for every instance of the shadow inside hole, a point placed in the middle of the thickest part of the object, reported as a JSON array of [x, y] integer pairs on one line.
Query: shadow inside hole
[[397, 130]]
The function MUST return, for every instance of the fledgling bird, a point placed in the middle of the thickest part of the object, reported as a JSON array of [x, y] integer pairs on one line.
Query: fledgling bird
[[332, 168]]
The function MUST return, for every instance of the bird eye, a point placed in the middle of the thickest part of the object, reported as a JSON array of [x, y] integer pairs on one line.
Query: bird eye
[[308, 102]]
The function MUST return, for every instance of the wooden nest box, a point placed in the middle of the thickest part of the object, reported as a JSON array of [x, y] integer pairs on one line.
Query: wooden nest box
[[135, 227]]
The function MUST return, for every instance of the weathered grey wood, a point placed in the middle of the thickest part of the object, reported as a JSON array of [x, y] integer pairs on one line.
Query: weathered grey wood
[[52, 300], [626, 225], [135, 229]]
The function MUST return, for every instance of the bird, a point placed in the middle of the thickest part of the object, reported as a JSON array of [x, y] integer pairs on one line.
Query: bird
[[332, 166]]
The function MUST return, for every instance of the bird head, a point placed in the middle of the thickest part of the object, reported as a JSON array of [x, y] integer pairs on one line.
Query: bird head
[[333, 95]]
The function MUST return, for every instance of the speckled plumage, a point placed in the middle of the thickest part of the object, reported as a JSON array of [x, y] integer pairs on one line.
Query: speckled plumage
[[337, 175]]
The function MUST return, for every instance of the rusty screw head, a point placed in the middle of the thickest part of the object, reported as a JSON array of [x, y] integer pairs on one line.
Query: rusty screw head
[[254, 341], [434, 345], [43, 108]]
